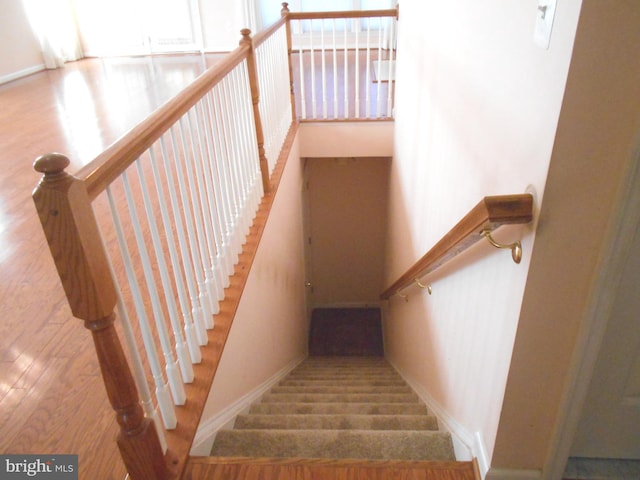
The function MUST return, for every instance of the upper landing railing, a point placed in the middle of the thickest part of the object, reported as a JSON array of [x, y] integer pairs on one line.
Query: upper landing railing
[[489, 214], [344, 64], [150, 232]]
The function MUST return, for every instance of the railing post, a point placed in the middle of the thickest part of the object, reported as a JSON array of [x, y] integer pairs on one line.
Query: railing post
[[255, 97], [72, 233], [284, 13]]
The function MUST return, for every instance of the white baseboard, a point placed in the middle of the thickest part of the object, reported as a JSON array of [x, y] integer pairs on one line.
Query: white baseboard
[[466, 445], [22, 73], [507, 474], [207, 430]]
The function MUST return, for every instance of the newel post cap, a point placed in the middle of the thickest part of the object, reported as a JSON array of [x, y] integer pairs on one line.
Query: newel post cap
[[51, 163]]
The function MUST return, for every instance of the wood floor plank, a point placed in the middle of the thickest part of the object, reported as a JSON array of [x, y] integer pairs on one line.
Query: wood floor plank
[[52, 399], [220, 468]]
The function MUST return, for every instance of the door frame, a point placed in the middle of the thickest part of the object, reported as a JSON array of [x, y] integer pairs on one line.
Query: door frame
[[618, 247]]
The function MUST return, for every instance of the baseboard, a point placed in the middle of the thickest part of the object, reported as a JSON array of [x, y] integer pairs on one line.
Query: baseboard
[[466, 445], [206, 432], [508, 474], [22, 73]]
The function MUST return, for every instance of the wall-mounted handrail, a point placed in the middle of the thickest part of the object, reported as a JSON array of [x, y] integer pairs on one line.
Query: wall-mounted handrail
[[490, 213]]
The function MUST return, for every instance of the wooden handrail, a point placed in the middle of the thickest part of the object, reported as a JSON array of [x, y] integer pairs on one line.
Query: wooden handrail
[[390, 12], [260, 37], [490, 213]]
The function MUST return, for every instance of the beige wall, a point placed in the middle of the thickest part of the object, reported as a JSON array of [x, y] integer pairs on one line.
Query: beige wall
[[598, 136], [270, 327], [477, 107], [19, 48]]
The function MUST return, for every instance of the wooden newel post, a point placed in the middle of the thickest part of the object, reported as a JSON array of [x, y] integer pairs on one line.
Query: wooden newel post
[[71, 230], [255, 97], [284, 13]]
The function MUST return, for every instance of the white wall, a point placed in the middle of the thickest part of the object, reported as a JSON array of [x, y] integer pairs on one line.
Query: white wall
[[571, 280], [19, 48], [477, 106], [221, 24], [270, 327]]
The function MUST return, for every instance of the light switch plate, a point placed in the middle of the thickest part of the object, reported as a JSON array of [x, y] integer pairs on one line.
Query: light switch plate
[[544, 21]]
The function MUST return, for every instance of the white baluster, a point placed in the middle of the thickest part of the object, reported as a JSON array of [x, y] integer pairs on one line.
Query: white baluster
[[185, 260], [334, 43], [203, 173], [391, 84], [217, 191], [234, 172], [161, 391], [324, 71], [357, 73], [314, 115], [368, 70], [171, 364], [197, 207], [303, 96], [226, 178], [379, 75], [346, 70], [200, 299], [182, 346], [222, 192]]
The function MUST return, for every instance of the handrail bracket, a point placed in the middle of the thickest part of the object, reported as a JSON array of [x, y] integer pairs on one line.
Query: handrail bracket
[[515, 247]]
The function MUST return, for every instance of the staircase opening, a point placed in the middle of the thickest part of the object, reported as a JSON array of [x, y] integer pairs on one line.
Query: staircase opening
[[346, 332]]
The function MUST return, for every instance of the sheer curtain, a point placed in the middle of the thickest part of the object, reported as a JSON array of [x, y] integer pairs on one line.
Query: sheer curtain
[[54, 24]]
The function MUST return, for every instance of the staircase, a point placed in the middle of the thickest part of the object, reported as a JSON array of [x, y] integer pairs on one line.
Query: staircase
[[338, 407]]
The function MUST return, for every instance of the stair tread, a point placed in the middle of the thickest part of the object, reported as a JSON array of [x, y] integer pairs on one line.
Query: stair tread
[[337, 407], [341, 389], [337, 422], [340, 397], [365, 444], [337, 382]]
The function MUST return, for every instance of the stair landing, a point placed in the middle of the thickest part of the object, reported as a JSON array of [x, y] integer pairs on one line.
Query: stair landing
[[237, 468]]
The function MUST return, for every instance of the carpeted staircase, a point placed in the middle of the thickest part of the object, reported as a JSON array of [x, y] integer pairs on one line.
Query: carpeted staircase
[[338, 408]]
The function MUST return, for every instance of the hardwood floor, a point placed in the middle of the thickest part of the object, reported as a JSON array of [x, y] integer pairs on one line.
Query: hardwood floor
[[52, 400], [292, 469]]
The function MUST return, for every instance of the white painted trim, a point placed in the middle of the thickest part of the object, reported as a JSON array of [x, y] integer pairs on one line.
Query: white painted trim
[[480, 452], [21, 73], [508, 474], [617, 248], [466, 445], [207, 430]]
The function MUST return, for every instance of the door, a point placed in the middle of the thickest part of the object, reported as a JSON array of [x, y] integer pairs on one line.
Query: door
[[138, 27], [346, 207], [610, 422]]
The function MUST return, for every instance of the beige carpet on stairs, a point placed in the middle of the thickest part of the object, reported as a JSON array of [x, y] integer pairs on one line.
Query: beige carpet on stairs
[[338, 408]]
